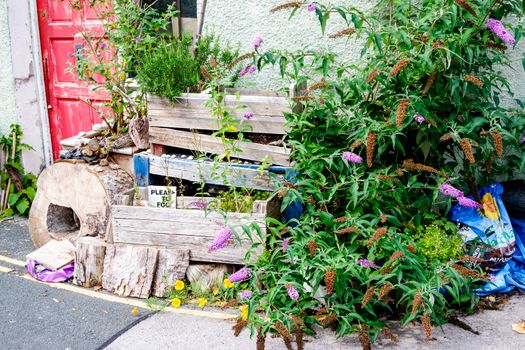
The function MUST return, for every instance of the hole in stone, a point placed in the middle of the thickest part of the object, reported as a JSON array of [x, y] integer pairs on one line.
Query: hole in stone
[[62, 221]]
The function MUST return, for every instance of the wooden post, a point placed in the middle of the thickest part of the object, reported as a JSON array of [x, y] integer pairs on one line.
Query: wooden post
[[89, 262]]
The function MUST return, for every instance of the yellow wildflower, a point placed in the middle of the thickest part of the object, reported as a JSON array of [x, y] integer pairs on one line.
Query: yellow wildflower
[[231, 128], [134, 311], [175, 302], [202, 302], [244, 311], [122, 76], [215, 291], [227, 284], [179, 285]]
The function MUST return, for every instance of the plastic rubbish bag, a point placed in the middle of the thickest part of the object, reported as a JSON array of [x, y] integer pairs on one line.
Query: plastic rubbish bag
[[43, 274], [488, 234]]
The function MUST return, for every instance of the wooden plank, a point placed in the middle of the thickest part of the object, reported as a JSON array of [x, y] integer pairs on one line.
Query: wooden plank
[[129, 270], [213, 173], [171, 266], [209, 144], [54, 254], [89, 262]]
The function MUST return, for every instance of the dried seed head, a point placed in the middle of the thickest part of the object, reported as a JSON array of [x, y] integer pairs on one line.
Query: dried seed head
[[371, 139], [288, 5], [496, 46], [437, 44], [466, 147], [466, 6], [411, 249], [467, 273], [290, 184], [446, 137], [385, 270], [402, 111], [468, 258], [205, 73], [383, 218], [340, 219], [364, 339], [474, 80], [282, 192], [239, 326], [380, 232], [427, 325], [299, 340], [312, 246], [213, 62], [341, 33], [329, 280], [285, 334], [342, 231], [416, 303], [297, 320], [387, 177], [409, 165], [240, 58], [489, 164], [385, 289], [396, 255], [400, 172], [398, 66], [317, 86], [302, 98], [372, 76], [328, 319], [430, 81], [389, 334], [498, 143], [230, 303], [355, 144], [261, 339], [367, 296]]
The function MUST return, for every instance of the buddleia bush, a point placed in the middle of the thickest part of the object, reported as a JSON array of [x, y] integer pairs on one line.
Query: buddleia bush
[[381, 147]]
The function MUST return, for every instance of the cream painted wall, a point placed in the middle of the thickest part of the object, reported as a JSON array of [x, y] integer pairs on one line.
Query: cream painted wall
[[240, 21], [8, 110]]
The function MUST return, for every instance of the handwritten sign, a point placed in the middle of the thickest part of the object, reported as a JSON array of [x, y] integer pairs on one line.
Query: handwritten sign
[[162, 197]]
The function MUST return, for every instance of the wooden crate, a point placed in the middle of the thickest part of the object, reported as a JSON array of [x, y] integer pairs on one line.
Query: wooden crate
[[171, 124], [193, 229]]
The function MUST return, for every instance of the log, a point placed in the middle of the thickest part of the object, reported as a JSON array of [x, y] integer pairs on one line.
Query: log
[[206, 277], [129, 270], [139, 131], [74, 200], [89, 262], [171, 266]]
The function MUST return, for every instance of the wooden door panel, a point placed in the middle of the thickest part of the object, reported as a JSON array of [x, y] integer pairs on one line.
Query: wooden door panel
[[62, 53]]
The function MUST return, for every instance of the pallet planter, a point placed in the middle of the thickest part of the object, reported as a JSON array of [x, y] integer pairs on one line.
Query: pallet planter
[[189, 227], [171, 124]]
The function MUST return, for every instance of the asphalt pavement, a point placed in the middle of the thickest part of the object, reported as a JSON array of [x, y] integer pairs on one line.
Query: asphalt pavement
[[36, 316]]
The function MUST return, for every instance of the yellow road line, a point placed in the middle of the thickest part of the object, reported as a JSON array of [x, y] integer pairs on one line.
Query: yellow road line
[[12, 261], [113, 298], [5, 269]]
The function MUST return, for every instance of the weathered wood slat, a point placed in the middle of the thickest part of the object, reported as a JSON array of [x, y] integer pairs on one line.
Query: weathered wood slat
[[210, 144], [180, 215], [212, 173]]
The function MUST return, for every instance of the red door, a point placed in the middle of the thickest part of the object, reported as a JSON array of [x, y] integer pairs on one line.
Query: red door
[[69, 99]]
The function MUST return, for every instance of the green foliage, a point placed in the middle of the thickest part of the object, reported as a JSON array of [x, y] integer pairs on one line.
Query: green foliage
[[418, 57], [19, 199], [240, 201], [438, 241], [169, 70]]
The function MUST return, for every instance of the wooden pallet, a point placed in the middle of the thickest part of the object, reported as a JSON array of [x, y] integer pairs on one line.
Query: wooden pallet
[[192, 229]]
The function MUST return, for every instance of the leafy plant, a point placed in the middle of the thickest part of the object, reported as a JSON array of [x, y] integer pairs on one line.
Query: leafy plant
[[19, 186], [373, 142], [438, 240]]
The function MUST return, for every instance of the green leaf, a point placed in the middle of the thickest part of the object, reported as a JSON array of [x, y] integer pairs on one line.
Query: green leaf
[[22, 206]]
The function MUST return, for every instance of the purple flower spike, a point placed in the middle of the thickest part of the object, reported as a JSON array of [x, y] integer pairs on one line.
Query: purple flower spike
[[247, 294], [293, 293], [497, 28], [522, 139], [419, 118], [352, 157], [249, 69], [467, 202], [311, 7], [367, 263], [241, 275], [248, 115], [285, 244], [221, 240], [257, 42], [492, 278], [450, 190]]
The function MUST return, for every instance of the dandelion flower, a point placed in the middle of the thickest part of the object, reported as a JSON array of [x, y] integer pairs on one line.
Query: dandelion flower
[[352, 157], [175, 302], [179, 285], [134, 311], [241, 275], [244, 311], [227, 283], [202, 302]]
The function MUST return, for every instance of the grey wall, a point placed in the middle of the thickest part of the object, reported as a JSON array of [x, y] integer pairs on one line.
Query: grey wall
[[240, 21]]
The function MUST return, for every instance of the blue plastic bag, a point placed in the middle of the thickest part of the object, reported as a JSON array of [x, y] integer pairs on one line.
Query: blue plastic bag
[[488, 232]]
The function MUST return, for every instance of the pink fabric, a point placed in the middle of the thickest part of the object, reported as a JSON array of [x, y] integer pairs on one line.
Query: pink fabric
[[48, 275]]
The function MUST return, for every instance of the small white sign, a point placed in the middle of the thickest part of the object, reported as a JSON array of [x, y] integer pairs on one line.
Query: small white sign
[[162, 197]]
